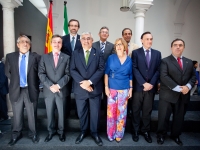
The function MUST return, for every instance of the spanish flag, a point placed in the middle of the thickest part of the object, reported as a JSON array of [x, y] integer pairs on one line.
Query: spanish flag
[[49, 33]]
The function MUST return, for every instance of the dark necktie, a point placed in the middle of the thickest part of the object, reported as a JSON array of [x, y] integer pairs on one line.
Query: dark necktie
[[147, 57], [102, 47], [179, 62], [23, 71], [72, 43]]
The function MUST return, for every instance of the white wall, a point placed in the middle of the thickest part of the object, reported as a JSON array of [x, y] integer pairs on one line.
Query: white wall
[[93, 14]]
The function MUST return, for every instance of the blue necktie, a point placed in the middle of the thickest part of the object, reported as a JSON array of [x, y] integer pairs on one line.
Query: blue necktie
[[22, 71], [72, 43], [102, 47], [147, 57]]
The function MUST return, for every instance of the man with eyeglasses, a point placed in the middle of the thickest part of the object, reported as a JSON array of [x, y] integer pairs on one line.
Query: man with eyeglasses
[[127, 34], [87, 70], [22, 70], [177, 77], [70, 43], [107, 49]]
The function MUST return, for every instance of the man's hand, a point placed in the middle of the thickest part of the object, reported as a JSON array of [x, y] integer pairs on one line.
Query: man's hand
[[89, 89], [147, 86], [54, 88], [185, 89], [158, 87], [85, 84]]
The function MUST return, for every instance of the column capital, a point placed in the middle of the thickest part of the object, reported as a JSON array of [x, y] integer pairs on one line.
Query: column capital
[[11, 3], [139, 7]]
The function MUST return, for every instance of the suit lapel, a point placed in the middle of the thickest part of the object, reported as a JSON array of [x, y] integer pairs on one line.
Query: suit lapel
[[141, 51], [16, 62], [60, 60], [69, 43], [51, 60], [152, 57], [82, 57], [185, 63], [91, 57], [77, 42], [30, 61], [174, 61]]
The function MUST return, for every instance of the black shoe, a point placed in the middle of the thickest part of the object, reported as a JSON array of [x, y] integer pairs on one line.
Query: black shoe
[[80, 138], [62, 137], [97, 140], [177, 140], [49, 137], [14, 141], [147, 137], [35, 139], [160, 140], [135, 136]]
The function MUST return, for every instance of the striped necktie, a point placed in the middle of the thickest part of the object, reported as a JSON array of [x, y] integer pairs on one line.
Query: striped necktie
[[102, 47]]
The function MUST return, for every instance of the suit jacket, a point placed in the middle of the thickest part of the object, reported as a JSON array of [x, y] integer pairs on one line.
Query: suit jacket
[[109, 49], [132, 47], [50, 75], [12, 72], [172, 75], [141, 73], [3, 80], [66, 45], [93, 71]]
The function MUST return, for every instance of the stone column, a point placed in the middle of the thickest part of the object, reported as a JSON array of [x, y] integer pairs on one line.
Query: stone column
[[139, 8], [9, 32]]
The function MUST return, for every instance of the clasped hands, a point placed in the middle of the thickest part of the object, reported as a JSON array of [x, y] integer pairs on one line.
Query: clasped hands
[[184, 90], [147, 86], [55, 88], [85, 84]]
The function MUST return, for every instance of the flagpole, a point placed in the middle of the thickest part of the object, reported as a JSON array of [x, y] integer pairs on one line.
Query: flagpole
[[65, 24]]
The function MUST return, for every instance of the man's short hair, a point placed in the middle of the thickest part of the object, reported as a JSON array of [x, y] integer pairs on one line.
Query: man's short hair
[[55, 36], [144, 34], [18, 39], [86, 32], [74, 20], [104, 27], [126, 29], [194, 62], [177, 40]]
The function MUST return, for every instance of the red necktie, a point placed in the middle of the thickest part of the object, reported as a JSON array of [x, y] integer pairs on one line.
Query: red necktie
[[179, 62], [56, 59]]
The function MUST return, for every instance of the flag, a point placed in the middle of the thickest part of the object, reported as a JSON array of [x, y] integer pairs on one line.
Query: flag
[[65, 26], [49, 32]]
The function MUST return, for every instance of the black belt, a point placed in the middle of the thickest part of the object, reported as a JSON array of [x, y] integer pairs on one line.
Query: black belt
[[24, 87]]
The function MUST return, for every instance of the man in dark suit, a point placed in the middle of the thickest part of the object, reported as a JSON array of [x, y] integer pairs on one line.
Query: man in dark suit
[[177, 76], [107, 49], [70, 43], [22, 70], [87, 69], [146, 62], [3, 92], [54, 75]]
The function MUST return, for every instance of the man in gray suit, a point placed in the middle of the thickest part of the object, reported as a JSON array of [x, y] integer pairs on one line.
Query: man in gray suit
[[22, 70], [107, 49], [54, 75]]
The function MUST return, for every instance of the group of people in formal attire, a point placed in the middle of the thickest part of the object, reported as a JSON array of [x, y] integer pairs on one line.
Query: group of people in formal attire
[[124, 74]]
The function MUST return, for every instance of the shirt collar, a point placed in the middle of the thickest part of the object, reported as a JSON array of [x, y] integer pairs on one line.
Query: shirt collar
[[146, 49], [73, 36], [54, 53], [177, 57], [88, 49], [102, 42], [27, 54]]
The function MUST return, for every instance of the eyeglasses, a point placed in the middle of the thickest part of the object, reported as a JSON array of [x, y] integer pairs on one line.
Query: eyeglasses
[[88, 39], [118, 44], [23, 42], [104, 32], [73, 26]]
